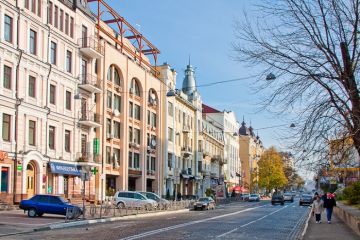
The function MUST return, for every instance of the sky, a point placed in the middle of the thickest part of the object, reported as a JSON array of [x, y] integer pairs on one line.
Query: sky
[[204, 30]]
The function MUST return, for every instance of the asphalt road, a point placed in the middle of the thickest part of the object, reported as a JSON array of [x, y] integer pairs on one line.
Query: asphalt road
[[232, 221]]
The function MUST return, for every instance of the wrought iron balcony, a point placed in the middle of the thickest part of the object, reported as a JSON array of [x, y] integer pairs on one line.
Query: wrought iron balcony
[[186, 151], [88, 157], [89, 119], [91, 47], [90, 83]]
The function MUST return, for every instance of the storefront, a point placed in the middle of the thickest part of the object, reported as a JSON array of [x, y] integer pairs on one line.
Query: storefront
[[6, 166]]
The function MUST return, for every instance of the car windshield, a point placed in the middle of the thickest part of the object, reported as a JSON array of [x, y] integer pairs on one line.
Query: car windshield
[[307, 196], [63, 200], [288, 194], [203, 199], [254, 195]]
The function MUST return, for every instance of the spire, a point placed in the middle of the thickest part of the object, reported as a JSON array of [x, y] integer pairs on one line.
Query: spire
[[189, 60], [189, 83]]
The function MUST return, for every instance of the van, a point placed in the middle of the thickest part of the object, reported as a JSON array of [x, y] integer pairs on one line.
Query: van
[[130, 199]]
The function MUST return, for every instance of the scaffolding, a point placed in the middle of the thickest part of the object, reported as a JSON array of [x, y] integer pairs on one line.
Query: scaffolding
[[123, 29]]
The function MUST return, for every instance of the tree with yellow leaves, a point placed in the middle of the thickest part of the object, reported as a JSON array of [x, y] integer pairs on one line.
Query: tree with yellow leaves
[[271, 170]]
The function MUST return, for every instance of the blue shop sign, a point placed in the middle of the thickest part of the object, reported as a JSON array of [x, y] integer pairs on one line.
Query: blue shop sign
[[65, 169]]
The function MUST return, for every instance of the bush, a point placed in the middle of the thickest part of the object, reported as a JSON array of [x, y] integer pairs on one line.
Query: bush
[[352, 193]]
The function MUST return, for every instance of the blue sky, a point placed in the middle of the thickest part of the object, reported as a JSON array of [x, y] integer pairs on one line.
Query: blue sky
[[204, 29]]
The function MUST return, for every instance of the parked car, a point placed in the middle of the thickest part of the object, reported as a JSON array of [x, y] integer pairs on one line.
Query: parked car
[[306, 199], [293, 193], [277, 198], [245, 196], [288, 197], [40, 204], [132, 199], [161, 201], [254, 198], [189, 197], [204, 203]]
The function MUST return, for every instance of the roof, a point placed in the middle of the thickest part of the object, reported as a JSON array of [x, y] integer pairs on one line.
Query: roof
[[208, 109]]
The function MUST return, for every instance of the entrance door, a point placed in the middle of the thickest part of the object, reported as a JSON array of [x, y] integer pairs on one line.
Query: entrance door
[[30, 181]]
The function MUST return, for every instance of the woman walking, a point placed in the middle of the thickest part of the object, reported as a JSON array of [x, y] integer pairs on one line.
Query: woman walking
[[329, 204]]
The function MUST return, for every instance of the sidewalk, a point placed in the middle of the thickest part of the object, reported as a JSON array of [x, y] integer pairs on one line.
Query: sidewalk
[[336, 230]]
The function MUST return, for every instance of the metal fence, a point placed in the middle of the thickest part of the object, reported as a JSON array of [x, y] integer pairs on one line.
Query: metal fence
[[107, 210]]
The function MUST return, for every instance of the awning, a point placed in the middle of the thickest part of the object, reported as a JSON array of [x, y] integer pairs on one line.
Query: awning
[[65, 169]]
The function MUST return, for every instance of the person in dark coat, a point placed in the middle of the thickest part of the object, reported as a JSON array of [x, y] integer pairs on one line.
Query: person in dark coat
[[329, 204], [179, 196]]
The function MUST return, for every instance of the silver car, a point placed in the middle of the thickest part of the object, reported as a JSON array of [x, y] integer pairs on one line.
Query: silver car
[[129, 199], [165, 204]]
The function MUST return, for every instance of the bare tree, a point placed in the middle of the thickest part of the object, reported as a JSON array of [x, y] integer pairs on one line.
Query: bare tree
[[312, 47]]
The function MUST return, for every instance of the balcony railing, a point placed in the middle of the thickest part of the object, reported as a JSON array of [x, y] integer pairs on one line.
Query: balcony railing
[[186, 129], [186, 151], [90, 119], [88, 157], [90, 83], [216, 158], [91, 47]]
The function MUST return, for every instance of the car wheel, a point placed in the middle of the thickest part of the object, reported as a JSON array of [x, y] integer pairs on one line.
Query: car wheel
[[32, 212], [120, 205], [148, 207]]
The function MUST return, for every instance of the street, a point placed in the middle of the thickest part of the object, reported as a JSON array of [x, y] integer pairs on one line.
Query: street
[[240, 220]]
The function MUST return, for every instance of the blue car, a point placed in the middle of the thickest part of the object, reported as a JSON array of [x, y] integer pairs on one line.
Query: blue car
[[40, 204]]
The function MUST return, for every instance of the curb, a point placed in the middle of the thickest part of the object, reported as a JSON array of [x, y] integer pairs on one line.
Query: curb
[[104, 220], [306, 226]]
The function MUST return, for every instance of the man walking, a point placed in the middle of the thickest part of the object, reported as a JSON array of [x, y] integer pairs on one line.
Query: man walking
[[329, 204]]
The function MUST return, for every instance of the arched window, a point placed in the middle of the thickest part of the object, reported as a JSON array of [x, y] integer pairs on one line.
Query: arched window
[[135, 88], [113, 75]]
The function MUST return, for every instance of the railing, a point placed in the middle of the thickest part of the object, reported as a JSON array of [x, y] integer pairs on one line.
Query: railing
[[91, 42], [186, 149], [88, 157], [89, 116], [88, 79]]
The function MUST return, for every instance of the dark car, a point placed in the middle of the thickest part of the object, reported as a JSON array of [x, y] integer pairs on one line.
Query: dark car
[[277, 198], [204, 203], [306, 199], [40, 204]]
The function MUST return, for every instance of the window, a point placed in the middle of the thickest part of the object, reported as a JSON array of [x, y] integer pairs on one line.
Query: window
[[55, 200], [53, 53], [27, 4], [136, 112], [7, 77], [109, 74], [117, 102], [56, 17], [116, 129], [8, 29], [61, 20], [148, 118], [33, 6], [153, 159], [32, 86], [131, 106], [108, 126], [170, 156], [39, 8], [116, 77], [52, 137], [68, 61], [113, 75], [33, 39], [130, 134], [130, 160], [134, 88], [137, 136], [67, 140], [153, 120], [52, 94], [51, 6], [6, 127], [136, 160], [108, 155], [171, 109], [66, 24], [109, 99], [171, 134], [71, 27], [32, 133], [68, 100], [84, 33], [116, 154]]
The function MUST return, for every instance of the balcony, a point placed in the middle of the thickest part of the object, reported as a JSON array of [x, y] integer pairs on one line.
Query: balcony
[[186, 151], [90, 83], [150, 172], [216, 158], [135, 172], [87, 157], [91, 47], [90, 119], [223, 161], [186, 129]]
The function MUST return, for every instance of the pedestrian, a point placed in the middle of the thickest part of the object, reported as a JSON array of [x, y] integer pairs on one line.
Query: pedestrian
[[329, 204], [233, 193], [317, 209], [179, 196]]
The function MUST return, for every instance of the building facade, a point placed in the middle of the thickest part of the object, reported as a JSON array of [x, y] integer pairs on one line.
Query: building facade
[[48, 121], [226, 120], [251, 149], [183, 108]]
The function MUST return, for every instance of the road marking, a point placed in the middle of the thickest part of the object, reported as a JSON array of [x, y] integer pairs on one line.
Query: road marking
[[160, 230], [227, 233], [170, 218], [264, 216]]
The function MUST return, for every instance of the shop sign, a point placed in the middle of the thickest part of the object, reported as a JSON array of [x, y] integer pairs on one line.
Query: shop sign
[[64, 169]]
